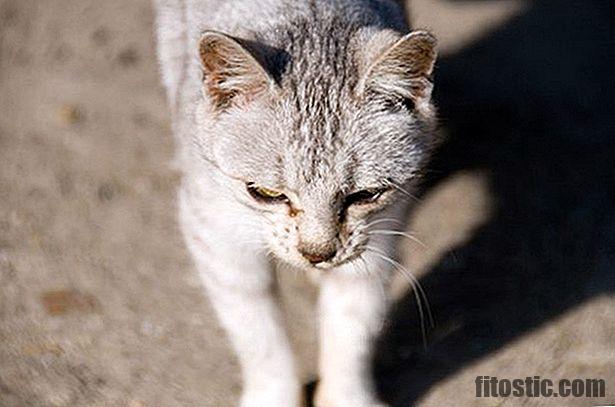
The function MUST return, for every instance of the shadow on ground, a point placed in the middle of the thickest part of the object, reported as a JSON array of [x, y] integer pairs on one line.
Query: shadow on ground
[[531, 105]]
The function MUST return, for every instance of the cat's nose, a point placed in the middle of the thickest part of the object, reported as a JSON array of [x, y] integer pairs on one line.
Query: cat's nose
[[317, 257]]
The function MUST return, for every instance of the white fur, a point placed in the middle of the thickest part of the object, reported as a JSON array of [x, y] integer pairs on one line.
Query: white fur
[[233, 237]]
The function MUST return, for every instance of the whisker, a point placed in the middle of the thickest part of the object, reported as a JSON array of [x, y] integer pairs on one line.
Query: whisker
[[417, 289], [403, 191], [365, 266], [419, 302], [397, 233], [356, 269], [377, 221], [419, 286]]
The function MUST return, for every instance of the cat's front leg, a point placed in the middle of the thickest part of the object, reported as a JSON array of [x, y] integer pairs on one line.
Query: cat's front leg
[[246, 308], [239, 286], [352, 308]]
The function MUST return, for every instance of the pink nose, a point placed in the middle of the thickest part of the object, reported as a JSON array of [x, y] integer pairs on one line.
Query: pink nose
[[316, 258]]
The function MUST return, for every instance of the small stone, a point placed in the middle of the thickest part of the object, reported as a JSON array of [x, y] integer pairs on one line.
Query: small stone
[[63, 53], [60, 302], [106, 192], [38, 349], [69, 115], [128, 57], [141, 119], [100, 37]]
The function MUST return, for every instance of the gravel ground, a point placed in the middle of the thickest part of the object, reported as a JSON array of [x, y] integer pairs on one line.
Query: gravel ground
[[99, 301]]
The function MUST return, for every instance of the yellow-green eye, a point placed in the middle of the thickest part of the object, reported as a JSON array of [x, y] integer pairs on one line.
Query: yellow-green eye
[[265, 194], [269, 193]]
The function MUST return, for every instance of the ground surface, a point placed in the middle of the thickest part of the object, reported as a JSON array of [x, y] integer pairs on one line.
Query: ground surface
[[99, 302]]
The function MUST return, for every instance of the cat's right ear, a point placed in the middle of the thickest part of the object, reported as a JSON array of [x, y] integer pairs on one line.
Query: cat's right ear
[[401, 67], [232, 72]]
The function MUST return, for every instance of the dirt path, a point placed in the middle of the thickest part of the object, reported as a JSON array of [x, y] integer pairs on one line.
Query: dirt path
[[99, 303]]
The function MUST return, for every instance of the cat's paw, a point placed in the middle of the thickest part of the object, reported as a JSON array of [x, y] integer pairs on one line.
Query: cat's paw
[[329, 398]]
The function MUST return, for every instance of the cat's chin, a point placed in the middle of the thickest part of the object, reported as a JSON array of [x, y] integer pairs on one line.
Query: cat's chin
[[317, 269], [309, 268]]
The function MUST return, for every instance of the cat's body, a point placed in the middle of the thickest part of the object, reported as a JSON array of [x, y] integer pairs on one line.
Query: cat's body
[[297, 129]]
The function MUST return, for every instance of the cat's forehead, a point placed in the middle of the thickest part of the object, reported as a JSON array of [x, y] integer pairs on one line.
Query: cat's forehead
[[323, 144], [318, 84], [315, 132], [348, 157], [316, 102]]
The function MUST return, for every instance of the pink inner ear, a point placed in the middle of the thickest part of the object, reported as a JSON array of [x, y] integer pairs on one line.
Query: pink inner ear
[[420, 53], [231, 73], [405, 67]]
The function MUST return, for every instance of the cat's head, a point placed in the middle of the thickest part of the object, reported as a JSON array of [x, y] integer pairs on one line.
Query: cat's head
[[318, 137]]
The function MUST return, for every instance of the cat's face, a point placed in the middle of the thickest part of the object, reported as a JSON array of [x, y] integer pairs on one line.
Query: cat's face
[[315, 157]]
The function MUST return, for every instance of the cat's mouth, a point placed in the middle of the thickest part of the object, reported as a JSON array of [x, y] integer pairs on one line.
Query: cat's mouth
[[301, 263], [324, 266], [341, 259]]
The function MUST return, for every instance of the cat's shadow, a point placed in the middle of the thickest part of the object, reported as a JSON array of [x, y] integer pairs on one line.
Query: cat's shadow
[[530, 106]]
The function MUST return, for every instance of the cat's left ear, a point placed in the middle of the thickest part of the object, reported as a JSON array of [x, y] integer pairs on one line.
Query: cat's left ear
[[402, 69], [232, 72]]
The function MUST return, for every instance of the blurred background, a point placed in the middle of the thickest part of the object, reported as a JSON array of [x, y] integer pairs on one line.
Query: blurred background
[[100, 304]]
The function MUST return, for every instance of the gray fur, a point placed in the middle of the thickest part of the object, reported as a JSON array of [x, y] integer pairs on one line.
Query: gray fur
[[316, 136]]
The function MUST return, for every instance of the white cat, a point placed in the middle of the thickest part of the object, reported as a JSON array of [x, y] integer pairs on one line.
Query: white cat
[[301, 126]]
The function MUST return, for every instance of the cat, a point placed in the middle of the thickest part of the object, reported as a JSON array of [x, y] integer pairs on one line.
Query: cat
[[301, 127]]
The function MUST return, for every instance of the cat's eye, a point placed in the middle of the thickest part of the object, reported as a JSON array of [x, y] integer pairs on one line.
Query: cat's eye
[[399, 104], [364, 197], [264, 194]]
